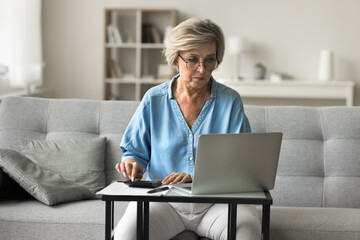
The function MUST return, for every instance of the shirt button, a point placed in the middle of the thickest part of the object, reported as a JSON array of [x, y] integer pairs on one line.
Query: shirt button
[[190, 135], [191, 158]]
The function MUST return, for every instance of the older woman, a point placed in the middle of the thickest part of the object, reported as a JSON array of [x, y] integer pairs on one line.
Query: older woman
[[161, 138]]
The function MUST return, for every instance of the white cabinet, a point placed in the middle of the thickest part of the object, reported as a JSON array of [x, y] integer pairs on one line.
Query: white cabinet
[[294, 89], [133, 42]]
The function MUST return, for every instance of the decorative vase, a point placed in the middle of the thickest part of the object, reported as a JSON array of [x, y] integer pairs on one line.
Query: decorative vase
[[259, 71], [326, 65]]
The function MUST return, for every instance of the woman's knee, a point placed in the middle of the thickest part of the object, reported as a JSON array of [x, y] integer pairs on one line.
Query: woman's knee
[[248, 230], [164, 223], [214, 224], [248, 223], [126, 227]]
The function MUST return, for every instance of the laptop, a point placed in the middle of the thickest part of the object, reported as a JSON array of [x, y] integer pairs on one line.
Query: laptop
[[234, 163]]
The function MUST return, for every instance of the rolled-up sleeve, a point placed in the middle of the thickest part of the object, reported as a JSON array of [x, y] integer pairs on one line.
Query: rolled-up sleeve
[[135, 143], [238, 122]]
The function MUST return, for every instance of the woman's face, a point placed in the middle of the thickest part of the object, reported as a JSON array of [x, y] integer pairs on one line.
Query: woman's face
[[199, 77]]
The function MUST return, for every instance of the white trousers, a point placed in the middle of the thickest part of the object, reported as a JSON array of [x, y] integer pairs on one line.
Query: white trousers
[[208, 220]]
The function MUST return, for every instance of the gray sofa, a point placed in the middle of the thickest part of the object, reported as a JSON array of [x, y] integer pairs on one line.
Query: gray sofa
[[316, 195]]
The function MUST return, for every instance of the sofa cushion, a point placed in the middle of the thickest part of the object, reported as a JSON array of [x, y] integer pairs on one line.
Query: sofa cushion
[[314, 223], [51, 119], [32, 220], [77, 160], [46, 186], [341, 156], [300, 174], [319, 163]]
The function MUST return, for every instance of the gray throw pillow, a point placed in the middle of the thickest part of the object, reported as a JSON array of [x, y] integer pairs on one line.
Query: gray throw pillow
[[80, 161], [46, 186]]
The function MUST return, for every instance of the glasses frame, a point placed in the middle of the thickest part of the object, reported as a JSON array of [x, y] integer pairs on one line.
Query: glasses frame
[[203, 62]]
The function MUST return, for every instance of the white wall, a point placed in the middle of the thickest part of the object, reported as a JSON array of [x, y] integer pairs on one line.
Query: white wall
[[287, 36]]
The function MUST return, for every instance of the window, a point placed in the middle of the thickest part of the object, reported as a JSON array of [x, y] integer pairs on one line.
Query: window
[[20, 42]]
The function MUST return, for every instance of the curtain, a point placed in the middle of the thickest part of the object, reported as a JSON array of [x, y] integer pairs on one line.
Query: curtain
[[21, 42]]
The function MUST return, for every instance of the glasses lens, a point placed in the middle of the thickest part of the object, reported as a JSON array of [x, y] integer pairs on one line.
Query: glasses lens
[[192, 64], [210, 64]]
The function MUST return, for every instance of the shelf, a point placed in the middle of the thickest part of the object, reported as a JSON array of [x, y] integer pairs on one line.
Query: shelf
[[133, 43], [133, 80], [153, 81], [120, 80], [294, 89], [152, 46], [121, 45]]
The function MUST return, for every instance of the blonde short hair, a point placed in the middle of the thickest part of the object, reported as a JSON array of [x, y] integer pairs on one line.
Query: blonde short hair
[[192, 34]]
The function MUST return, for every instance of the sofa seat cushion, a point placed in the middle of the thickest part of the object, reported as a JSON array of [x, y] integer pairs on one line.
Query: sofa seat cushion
[[314, 223], [76, 220]]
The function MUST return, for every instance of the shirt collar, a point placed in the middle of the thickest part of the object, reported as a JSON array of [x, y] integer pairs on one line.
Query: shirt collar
[[214, 87], [170, 94]]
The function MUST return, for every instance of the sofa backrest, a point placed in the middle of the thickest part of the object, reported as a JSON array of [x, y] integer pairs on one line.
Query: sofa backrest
[[319, 163], [39, 118]]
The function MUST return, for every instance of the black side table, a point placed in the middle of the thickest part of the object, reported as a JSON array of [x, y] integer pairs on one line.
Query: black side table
[[232, 200]]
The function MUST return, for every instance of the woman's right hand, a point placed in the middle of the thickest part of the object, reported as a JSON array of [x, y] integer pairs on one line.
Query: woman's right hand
[[130, 170]]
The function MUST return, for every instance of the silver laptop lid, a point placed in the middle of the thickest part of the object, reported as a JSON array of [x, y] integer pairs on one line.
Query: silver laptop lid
[[233, 163]]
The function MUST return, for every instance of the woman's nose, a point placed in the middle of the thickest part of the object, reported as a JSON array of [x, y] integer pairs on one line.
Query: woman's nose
[[201, 67]]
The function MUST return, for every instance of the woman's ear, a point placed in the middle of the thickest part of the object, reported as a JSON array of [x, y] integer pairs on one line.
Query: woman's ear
[[175, 68], [176, 62]]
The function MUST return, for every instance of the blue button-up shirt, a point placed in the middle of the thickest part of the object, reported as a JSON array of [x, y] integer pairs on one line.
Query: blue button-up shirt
[[159, 138]]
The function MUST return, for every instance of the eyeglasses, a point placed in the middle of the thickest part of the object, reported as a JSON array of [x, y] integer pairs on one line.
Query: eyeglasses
[[193, 64]]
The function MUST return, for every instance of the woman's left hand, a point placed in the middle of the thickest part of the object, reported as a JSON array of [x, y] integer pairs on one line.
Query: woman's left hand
[[177, 177]]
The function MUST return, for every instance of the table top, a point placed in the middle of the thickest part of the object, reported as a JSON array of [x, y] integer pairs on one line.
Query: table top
[[117, 191]]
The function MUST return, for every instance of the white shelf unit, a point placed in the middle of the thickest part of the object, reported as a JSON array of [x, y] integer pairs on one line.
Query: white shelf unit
[[131, 65], [294, 89]]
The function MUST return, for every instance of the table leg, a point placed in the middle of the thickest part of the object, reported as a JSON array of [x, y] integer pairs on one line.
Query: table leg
[[232, 210], [266, 222], [139, 224], [146, 221], [109, 218], [112, 215]]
